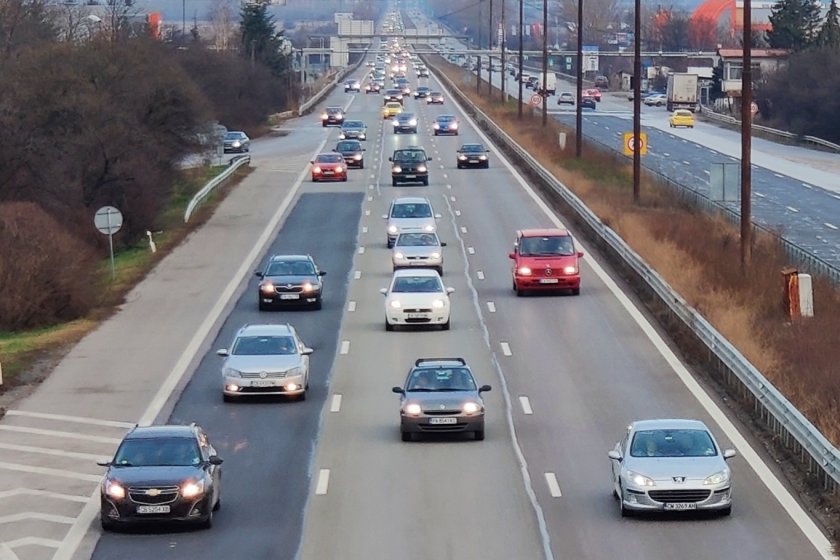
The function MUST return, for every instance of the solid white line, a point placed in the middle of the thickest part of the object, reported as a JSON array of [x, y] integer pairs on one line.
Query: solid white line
[[779, 176], [27, 541], [526, 405], [323, 482], [463, 229], [35, 515], [357, 274], [42, 494], [832, 226], [836, 196], [759, 195], [351, 306], [361, 250], [56, 433], [553, 485], [335, 405], [364, 229], [91, 510], [50, 472], [807, 186], [491, 307], [345, 347], [471, 250], [55, 452], [506, 349], [75, 419], [792, 209], [457, 212], [479, 274]]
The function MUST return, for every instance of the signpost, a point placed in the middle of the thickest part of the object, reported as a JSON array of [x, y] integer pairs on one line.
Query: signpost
[[630, 143], [536, 99], [590, 58], [108, 220]]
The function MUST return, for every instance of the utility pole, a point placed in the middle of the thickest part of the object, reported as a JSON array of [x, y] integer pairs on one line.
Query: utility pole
[[521, 30], [637, 101], [490, 56], [746, 141], [578, 110], [478, 54], [502, 48], [544, 80]]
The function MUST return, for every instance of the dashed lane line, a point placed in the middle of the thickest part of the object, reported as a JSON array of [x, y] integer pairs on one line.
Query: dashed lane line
[[345, 347], [553, 485], [479, 274], [49, 472], [526, 405], [323, 482], [506, 349], [75, 419], [351, 307], [56, 433], [491, 307], [335, 404], [55, 452], [42, 494]]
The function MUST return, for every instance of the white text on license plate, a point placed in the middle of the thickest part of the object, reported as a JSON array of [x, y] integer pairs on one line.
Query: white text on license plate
[[416, 315], [680, 506], [289, 296], [152, 509], [411, 176], [262, 383], [548, 280], [443, 420]]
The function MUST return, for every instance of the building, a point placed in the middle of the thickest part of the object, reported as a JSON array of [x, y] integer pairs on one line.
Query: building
[[763, 61]]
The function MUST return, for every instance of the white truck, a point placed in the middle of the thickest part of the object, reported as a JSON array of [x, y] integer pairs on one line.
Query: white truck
[[682, 91], [547, 83]]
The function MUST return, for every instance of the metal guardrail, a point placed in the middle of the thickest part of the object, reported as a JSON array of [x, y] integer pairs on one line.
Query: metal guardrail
[[796, 433], [340, 75], [205, 191], [783, 133]]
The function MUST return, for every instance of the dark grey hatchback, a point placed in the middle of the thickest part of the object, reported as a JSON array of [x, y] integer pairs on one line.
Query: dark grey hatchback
[[290, 280], [352, 151], [162, 473]]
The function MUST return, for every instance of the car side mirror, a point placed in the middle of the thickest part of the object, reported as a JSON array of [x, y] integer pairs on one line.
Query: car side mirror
[[322, 273], [364, 149], [442, 244], [222, 352], [384, 216], [484, 388], [450, 289], [258, 274], [398, 390], [215, 460], [729, 453], [306, 351], [311, 161], [429, 159], [104, 463], [580, 254], [383, 291], [512, 255], [614, 455], [390, 159]]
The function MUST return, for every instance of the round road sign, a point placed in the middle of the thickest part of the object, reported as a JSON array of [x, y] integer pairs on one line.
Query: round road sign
[[108, 220], [631, 144], [753, 108], [536, 99]]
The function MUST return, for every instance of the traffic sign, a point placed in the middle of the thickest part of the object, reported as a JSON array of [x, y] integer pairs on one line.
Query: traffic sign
[[753, 108], [108, 220], [536, 99], [630, 143]]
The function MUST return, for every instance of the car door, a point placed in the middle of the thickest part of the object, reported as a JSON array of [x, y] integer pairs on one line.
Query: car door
[[215, 471]]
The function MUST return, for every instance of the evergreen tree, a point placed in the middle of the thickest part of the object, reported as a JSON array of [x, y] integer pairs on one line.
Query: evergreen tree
[[260, 41], [795, 24], [829, 35]]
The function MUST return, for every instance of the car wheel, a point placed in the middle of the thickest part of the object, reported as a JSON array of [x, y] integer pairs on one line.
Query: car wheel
[[207, 523], [228, 398], [314, 180], [727, 511], [624, 511], [406, 436], [345, 179], [445, 326], [361, 165], [324, 125], [388, 326], [302, 396], [218, 505], [479, 435], [436, 132], [262, 306], [393, 182], [487, 165], [519, 292], [439, 270], [426, 181], [107, 524]]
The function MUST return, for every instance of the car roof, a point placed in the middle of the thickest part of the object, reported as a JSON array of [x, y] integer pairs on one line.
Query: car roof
[[446, 117], [286, 258], [410, 272], [545, 232], [264, 330], [472, 145], [440, 362], [411, 200], [334, 109], [668, 423], [168, 430]]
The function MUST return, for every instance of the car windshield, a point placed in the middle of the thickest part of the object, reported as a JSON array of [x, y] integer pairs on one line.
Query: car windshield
[[393, 106], [445, 119], [347, 146], [436, 94], [406, 116], [421, 284], [329, 158], [472, 148], [417, 240], [158, 452], [672, 443], [411, 211], [353, 124], [233, 135], [333, 110], [441, 379], [410, 155], [422, 88], [546, 246], [682, 114], [263, 346], [290, 268]]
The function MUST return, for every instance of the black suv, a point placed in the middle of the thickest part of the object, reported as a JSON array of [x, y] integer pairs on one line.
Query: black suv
[[161, 473], [332, 115], [352, 151], [409, 166], [290, 280]]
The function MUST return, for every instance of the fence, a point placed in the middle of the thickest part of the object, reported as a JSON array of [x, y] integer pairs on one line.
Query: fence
[[205, 191]]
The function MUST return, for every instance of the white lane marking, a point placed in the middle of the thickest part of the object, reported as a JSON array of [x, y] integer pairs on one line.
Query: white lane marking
[[457, 212], [807, 186], [335, 404], [42, 494], [56, 452], [526, 405], [61, 473], [553, 485], [448, 186], [758, 194], [687, 162], [345, 347], [445, 176], [351, 306], [471, 250], [491, 307], [367, 212], [357, 274], [25, 516], [361, 250], [364, 229], [370, 187], [810, 529], [28, 541], [707, 172], [370, 198], [452, 198], [666, 154], [792, 209], [837, 196], [506, 349], [6, 553], [57, 433], [832, 226], [779, 176], [75, 419], [323, 482], [479, 274], [463, 229]]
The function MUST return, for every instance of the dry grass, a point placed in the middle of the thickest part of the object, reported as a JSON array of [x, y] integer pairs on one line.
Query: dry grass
[[699, 255]]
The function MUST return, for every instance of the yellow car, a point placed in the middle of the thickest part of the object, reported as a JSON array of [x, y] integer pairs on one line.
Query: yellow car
[[681, 117], [391, 110]]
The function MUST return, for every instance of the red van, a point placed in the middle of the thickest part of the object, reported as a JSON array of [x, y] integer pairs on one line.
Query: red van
[[545, 260]]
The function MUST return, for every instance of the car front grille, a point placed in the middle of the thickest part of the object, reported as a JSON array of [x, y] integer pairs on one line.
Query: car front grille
[[258, 374], [679, 496], [442, 412], [418, 310], [286, 288], [162, 494]]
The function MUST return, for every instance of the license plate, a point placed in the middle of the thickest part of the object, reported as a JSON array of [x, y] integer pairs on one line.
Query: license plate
[[289, 296], [416, 315], [411, 176], [680, 506], [328, 172], [548, 280], [444, 420], [152, 509], [263, 383]]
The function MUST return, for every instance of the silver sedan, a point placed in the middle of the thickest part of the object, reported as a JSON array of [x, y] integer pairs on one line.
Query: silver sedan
[[671, 465], [423, 250]]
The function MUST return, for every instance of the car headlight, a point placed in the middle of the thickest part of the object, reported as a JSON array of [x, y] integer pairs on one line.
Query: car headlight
[[338, 115], [231, 372], [640, 479], [438, 304], [114, 489], [236, 144], [341, 136], [339, 169], [323, 116], [412, 122], [357, 157], [362, 135], [453, 125], [429, 227], [462, 157], [316, 169], [718, 478], [436, 126], [435, 255], [399, 255], [308, 287], [570, 270], [192, 489], [422, 169], [268, 287], [393, 229], [396, 169], [482, 157], [294, 371], [471, 407], [395, 303], [399, 96], [524, 271], [413, 409]]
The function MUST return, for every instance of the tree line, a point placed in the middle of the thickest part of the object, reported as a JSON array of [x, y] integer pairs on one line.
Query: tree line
[[106, 121]]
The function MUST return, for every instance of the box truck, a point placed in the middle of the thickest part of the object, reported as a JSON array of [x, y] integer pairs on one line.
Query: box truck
[[682, 91], [547, 83]]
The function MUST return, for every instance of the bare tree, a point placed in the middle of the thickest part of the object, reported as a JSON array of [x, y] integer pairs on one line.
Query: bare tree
[[600, 19], [225, 24]]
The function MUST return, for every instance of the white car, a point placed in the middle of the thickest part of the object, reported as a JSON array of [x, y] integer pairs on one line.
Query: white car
[[657, 99], [421, 250], [416, 297], [409, 214]]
